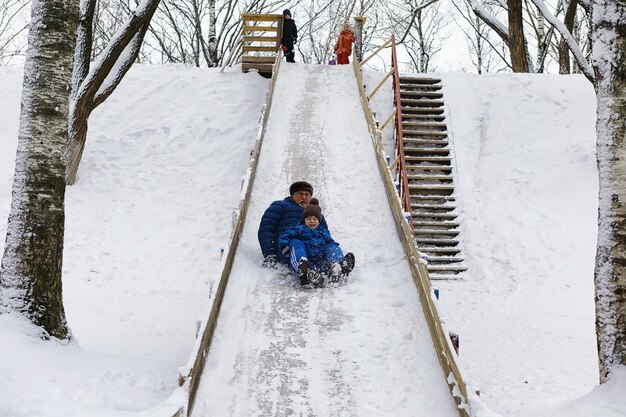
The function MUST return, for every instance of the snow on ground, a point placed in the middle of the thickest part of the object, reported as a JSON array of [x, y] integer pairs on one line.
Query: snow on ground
[[160, 176], [152, 207], [527, 180]]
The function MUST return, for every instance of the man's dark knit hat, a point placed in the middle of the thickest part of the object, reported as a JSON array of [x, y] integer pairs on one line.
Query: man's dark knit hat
[[300, 186], [312, 209], [286, 11]]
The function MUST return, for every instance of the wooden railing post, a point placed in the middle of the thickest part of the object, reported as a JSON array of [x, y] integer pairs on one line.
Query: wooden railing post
[[402, 174]]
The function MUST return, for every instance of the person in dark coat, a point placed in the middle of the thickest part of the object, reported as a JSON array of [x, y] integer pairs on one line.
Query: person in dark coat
[[313, 251], [280, 215], [290, 36]]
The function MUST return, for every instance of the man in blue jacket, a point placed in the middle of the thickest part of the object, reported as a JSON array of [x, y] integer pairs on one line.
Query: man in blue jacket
[[280, 215]]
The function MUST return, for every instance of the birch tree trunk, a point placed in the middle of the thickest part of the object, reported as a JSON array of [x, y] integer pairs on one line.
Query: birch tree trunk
[[30, 277], [609, 45], [212, 35]]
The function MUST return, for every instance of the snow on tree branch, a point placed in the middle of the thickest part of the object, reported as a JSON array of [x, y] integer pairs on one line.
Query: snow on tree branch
[[490, 20], [567, 37]]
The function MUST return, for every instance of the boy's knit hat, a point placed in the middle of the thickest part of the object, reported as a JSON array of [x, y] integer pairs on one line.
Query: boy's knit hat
[[287, 12], [312, 209], [300, 186]]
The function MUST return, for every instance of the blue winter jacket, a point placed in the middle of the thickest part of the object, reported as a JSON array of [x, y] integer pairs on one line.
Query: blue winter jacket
[[280, 215], [315, 240]]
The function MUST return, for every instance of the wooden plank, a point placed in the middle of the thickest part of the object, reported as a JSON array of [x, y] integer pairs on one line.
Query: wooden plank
[[259, 28], [262, 68], [273, 39], [267, 59], [251, 48], [247, 17]]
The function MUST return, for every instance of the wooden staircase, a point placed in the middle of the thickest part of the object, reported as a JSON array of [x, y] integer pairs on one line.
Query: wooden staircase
[[429, 175]]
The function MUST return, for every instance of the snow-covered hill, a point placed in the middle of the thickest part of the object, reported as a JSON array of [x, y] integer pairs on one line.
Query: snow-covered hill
[[152, 207]]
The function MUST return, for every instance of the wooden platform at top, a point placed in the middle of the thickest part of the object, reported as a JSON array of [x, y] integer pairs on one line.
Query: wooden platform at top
[[261, 35]]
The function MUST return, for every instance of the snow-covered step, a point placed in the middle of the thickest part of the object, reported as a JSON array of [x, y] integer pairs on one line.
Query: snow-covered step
[[421, 223], [421, 117], [427, 167], [419, 80], [426, 142], [431, 187], [440, 250], [444, 159], [420, 94], [425, 124], [444, 277], [427, 151], [445, 260], [442, 207], [432, 241], [446, 268], [424, 133], [429, 177], [433, 215], [421, 102], [439, 198], [435, 232], [407, 111]]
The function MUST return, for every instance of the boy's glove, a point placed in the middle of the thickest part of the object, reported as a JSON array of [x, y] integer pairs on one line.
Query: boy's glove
[[284, 48], [270, 261]]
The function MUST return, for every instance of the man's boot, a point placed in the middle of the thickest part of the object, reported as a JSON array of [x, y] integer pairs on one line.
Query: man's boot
[[303, 272]]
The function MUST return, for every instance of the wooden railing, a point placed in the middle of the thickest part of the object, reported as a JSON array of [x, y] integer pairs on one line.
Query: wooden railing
[[203, 344], [440, 337], [403, 181], [260, 41]]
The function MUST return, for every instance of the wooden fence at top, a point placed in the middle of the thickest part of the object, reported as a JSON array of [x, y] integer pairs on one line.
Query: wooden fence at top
[[260, 42]]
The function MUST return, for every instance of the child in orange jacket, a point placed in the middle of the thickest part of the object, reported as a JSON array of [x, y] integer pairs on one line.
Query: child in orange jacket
[[343, 46]]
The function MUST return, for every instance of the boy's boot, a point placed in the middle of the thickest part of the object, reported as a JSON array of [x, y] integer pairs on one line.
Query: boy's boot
[[348, 264], [335, 272], [316, 279]]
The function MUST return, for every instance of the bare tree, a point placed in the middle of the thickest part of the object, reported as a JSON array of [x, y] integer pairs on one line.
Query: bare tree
[[480, 42], [11, 29], [30, 277], [93, 83], [609, 44], [425, 38]]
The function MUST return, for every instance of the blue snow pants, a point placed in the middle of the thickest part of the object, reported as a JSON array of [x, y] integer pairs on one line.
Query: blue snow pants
[[297, 250]]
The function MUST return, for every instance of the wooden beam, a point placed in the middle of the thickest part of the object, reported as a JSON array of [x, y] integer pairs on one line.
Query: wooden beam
[[262, 68], [247, 17], [251, 48], [247, 38], [249, 59], [246, 29]]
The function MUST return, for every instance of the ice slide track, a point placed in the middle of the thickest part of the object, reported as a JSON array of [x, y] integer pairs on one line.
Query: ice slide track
[[442, 348]]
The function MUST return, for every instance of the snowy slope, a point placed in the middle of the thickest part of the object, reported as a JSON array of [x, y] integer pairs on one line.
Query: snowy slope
[[527, 189], [145, 222], [525, 154], [359, 350]]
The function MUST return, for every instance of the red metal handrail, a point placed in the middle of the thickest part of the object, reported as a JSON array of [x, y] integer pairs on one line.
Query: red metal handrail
[[402, 174]]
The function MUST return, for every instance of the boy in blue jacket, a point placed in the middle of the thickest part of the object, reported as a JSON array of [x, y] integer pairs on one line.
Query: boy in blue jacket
[[313, 252]]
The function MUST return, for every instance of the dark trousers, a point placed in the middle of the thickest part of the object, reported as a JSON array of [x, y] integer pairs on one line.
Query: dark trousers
[[289, 53]]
